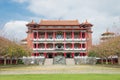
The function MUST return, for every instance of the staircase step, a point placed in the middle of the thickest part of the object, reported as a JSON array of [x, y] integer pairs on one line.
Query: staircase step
[[48, 62], [70, 61]]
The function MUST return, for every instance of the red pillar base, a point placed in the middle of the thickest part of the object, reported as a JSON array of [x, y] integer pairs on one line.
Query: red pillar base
[[72, 55], [45, 55], [64, 54]]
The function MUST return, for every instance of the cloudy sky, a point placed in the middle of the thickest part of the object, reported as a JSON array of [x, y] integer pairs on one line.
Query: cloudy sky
[[103, 14]]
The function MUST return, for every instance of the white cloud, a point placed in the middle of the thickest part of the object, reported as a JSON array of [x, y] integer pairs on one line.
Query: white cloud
[[15, 30], [20, 1], [101, 13]]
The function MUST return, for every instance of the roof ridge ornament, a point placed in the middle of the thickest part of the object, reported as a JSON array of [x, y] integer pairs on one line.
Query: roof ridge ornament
[[32, 21]]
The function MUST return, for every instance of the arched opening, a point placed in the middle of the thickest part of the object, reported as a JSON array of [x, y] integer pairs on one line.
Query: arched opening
[[59, 35], [68, 55], [49, 55]]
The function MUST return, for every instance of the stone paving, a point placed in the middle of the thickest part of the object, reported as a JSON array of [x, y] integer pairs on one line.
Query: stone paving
[[61, 69]]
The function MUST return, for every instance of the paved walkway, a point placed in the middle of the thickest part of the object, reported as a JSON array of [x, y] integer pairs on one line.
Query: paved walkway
[[60, 69]]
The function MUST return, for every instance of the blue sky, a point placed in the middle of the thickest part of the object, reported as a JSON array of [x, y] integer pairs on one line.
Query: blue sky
[[103, 14], [10, 10]]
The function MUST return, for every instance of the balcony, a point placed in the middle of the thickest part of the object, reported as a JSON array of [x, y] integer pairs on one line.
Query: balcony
[[50, 49], [83, 39], [40, 48], [49, 39], [77, 48], [61, 39], [83, 49], [68, 39], [35, 39], [41, 39], [77, 39], [68, 49]]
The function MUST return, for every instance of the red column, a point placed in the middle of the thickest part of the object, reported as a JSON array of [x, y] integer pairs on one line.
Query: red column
[[81, 35], [64, 54], [73, 35], [64, 35], [72, 45], [37, 35], [54, 35], [64, 46], [45, 54], [73, 55], [45, 35], [45, 45], [54, 45]]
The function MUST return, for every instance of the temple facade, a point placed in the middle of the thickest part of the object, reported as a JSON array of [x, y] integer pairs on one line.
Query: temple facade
[[68, 38], [106, 36]]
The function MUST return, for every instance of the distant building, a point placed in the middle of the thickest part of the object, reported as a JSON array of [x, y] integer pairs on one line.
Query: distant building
[[24, 41], [66, 37], [107, 35]]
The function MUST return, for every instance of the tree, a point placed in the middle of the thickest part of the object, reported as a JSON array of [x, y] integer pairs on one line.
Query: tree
[[107, 49], [11, 49]]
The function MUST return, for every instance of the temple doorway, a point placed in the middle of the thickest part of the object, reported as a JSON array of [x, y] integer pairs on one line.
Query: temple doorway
[[68, 55], [49, 55]]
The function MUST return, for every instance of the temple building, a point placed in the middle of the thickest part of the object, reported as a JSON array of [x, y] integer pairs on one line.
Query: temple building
[[68, 38], [106, 36]]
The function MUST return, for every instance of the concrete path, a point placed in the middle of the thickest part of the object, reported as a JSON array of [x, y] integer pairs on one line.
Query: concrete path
[[60, 69]]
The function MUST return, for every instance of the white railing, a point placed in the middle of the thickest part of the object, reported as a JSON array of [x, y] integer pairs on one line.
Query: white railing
[[35, 39], [68, 39], [49, 48], [76, 39], [59, 39], [59, 49], [49, 39], [77, 48], [41, 39], [83, 48], [34, 48], [41, 49], [83, 39]]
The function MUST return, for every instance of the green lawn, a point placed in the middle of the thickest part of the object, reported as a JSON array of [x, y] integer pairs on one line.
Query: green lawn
[[61, 77]]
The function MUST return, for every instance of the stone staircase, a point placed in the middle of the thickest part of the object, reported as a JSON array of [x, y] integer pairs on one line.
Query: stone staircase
[[70, 61], [48, 61]]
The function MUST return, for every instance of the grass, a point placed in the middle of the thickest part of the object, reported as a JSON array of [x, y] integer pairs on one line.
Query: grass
[[61, 77]]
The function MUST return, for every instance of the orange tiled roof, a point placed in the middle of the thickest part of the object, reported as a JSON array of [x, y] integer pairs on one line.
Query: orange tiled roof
[[24, 39], [59, 22], [108, 33]]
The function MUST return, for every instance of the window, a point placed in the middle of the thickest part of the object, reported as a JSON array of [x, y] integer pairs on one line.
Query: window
[[83, 45], [35, 35], [83, 34]]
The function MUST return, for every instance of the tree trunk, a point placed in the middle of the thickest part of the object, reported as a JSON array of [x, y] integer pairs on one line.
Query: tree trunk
[[106, 60], [10, 60], [119, 60], [5, 59], [16, 60], [111, 60], [101, 60]]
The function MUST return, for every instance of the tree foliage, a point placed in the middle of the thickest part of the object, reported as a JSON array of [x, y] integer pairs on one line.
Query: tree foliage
[[106, 49], [11, 49]]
